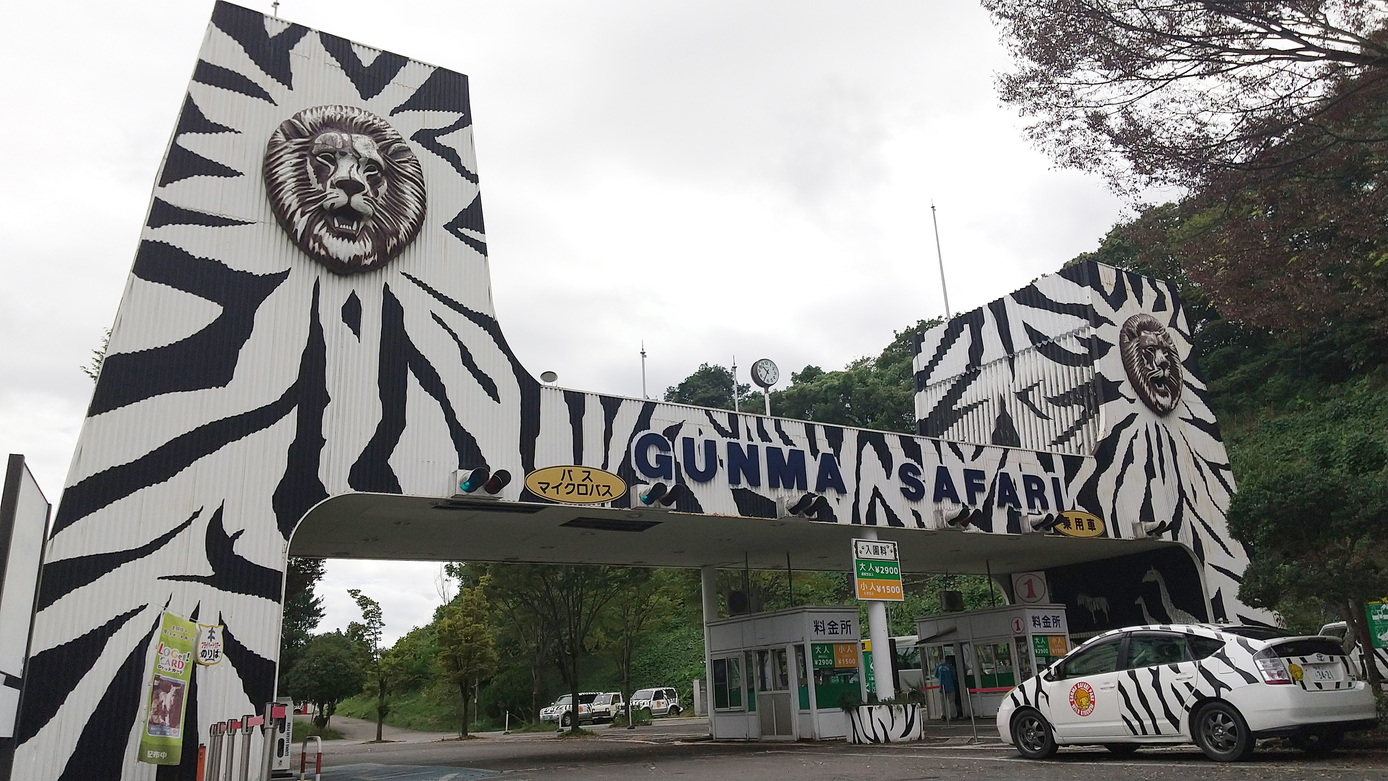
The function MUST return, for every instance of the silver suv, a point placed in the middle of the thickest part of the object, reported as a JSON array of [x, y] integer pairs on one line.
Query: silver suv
[[662, 701]]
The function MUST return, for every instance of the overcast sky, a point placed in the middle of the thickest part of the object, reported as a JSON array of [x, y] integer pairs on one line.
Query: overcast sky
[[712, 178]]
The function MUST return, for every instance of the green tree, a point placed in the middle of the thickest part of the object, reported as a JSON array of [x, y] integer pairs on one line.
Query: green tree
[[570, 600], [643, 595], [302, 610], [1312, 505], [709, 386], [1163, 92], [466, 651], [367, 633], [329, 671], [875, 393], [93, 367], [528, 630]]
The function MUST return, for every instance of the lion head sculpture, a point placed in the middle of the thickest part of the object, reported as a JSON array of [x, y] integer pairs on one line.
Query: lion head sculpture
[[345, 186], [1149, 357]]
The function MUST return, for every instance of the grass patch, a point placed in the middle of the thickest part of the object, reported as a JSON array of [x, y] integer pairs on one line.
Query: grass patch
[[411, 710], [304, 728]]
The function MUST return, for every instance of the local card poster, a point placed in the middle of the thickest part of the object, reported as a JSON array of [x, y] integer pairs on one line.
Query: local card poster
[[162, 740]]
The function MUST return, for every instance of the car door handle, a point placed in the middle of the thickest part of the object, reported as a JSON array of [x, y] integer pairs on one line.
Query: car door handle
[[1107, 686]]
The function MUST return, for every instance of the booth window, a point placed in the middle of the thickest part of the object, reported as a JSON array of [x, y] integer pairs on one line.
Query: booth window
[[727, 683], [802, 680], [1023, 658]]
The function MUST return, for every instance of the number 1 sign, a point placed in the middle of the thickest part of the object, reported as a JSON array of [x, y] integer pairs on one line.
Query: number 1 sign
[[1029, 588]]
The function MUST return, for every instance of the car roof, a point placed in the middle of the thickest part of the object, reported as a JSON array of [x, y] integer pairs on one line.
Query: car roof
[[1216, 631]]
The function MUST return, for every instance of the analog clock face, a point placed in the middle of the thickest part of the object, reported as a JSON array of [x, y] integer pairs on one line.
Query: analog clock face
[[765, 373]]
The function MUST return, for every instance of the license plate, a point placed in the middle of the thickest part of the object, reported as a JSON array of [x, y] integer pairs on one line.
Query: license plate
[[1323, 673]]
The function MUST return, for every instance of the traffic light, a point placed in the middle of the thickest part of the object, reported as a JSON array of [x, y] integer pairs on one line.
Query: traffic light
[[664, 494], [469, 481]]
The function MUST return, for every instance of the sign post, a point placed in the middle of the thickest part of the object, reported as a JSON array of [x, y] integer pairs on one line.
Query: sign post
[[1377, 613], [876, 571]]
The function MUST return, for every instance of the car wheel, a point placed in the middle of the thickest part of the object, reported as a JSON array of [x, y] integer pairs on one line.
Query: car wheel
[[566, 721], [1121, 749], [1318, 743], [674, 712], [1222, 733], [1032, 735]]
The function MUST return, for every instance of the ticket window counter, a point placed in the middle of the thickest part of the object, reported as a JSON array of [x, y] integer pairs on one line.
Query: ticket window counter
[[991, 651], [781, 675]]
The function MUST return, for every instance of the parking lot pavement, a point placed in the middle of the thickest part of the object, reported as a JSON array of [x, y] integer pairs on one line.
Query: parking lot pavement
[[680, 747]]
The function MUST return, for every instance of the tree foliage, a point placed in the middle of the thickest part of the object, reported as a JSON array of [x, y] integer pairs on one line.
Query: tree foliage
[[1312, 505], [466, 650], [1175, 92], [875, 393], [329, 671], [380, 670], [709, 386], [302, 610]]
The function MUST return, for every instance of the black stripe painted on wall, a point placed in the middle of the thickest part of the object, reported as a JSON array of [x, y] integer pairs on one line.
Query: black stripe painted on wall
[[104, 736], [206, 359], [368, 79], [227, 79], [300, 488], [230, 571], [61, 578], [163, 213], [54, 673], [247, 28]]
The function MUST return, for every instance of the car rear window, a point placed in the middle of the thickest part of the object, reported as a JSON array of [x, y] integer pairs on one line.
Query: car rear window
[[585, 699], [1255, 632], [1308, 646], [643, 694]]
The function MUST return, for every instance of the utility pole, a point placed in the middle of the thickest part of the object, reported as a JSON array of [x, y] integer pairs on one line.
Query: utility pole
[[735, 409], [941, 258]]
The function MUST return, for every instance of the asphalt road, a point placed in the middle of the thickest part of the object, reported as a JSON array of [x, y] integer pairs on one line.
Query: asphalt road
[[679, 748]]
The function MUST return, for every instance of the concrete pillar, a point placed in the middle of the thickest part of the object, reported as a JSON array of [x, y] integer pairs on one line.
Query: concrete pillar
[[708, 581], [884, 681]]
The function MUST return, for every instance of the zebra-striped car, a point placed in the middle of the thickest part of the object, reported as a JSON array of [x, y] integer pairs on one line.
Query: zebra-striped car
[[1221, 687]]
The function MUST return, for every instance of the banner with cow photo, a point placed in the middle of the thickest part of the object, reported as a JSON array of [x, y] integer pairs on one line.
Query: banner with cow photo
[[162, 740]]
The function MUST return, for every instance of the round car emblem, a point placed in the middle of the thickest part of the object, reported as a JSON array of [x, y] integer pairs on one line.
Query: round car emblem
[[1082, 699]]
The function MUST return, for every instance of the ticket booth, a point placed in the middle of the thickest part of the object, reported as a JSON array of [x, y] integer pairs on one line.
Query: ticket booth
[[780, 675], [991, 651]]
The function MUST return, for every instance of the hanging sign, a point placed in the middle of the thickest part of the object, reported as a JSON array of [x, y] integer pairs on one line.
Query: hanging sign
[[1076, 523], [575, 484], [876, 571], [209, 644], [161, 741]]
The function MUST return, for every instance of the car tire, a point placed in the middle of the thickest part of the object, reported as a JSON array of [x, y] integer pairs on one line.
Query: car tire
[[1032, 735], [1318, 743], [1122, 749], [673, 712], [1221, 733], [566, 720]]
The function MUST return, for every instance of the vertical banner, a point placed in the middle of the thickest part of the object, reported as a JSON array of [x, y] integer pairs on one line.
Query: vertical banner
[[162, 740]]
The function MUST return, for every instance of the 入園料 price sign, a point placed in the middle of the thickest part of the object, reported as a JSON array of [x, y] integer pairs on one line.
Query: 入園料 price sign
[[876, 571]]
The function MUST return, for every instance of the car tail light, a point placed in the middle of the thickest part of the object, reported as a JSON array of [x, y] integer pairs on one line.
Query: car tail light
[[1272, 667]]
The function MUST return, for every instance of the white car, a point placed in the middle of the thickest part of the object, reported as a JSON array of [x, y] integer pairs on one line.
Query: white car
[[608, 706], [1221, 687], [559, 710], [661, 700]]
